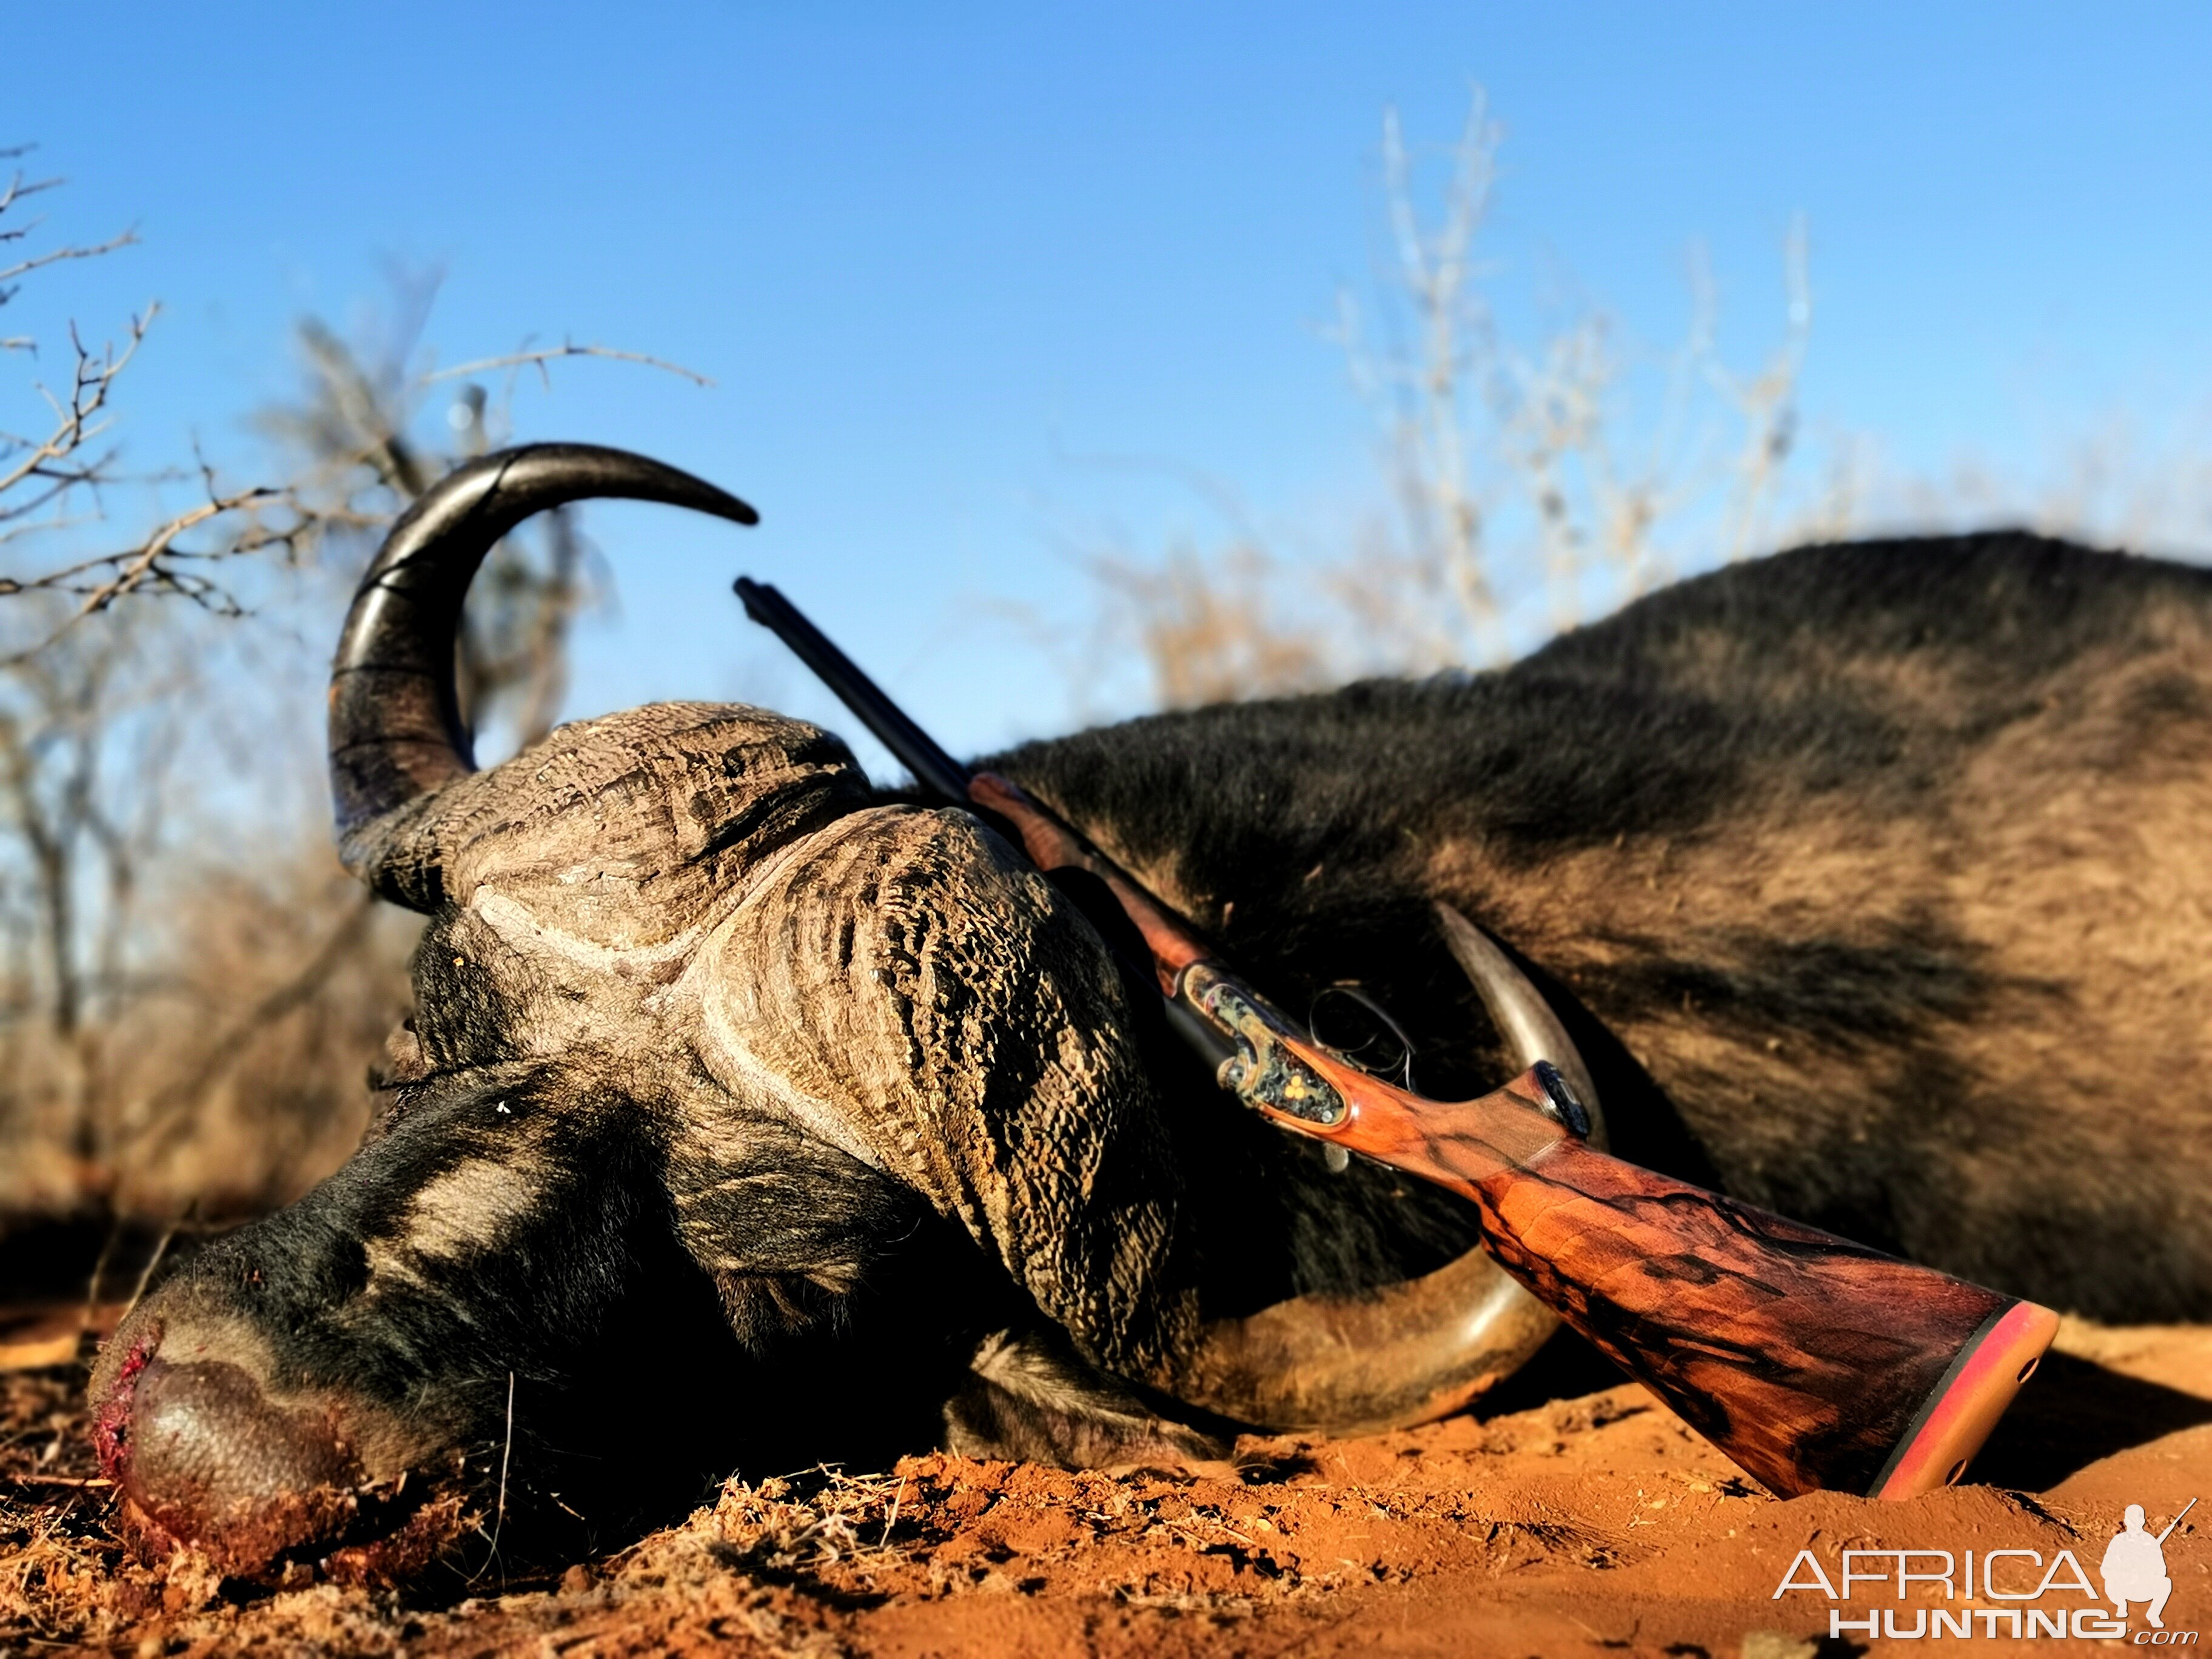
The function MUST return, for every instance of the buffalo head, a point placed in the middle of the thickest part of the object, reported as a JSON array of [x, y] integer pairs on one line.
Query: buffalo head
[[746, 1115]]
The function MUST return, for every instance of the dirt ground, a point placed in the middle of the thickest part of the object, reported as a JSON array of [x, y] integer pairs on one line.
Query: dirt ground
[[1569, 1517]]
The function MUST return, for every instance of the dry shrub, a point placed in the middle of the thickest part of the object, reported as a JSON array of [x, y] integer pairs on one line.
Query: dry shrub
[[1536, 484], [1532, 485], [236, 1078], [2131, 480], [254, 1083], [1213, 629]]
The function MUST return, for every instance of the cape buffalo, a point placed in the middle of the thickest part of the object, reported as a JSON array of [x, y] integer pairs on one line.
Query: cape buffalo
[[750, 1113]]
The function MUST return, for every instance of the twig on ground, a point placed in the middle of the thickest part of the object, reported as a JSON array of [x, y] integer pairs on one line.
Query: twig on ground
[[499, 1510], [86, 1482], [892, 1519], [506, 1451], [98, 1270], [146, 1276]]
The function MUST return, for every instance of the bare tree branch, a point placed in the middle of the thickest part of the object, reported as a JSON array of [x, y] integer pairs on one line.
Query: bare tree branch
[[14, 191], [57, 256], [539, 359], [355, 420], [57, 459], [159, 564], [135, 1036]]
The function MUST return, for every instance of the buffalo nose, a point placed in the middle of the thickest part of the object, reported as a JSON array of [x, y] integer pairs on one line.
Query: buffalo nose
[[206, 1457]]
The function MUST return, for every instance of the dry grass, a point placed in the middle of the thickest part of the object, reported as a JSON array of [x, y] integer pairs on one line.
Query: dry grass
[[57, 1557]]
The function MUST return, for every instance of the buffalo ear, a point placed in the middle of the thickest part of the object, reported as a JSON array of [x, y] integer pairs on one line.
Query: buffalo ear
[[909, 989]]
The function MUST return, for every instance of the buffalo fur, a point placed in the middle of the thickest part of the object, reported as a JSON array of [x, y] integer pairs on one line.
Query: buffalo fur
[[1871, 877]]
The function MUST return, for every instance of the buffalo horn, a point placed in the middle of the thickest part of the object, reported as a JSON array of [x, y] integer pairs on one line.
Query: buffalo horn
[[1525, 1022], [397, 733]]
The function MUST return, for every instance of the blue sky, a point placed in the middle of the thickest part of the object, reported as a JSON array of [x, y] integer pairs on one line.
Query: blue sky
[[942, 261]]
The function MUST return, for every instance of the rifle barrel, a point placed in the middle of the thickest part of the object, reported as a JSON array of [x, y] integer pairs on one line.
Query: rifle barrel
[[911, 746]]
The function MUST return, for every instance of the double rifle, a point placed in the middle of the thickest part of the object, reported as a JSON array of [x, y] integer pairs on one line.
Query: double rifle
[[1811, 1361]]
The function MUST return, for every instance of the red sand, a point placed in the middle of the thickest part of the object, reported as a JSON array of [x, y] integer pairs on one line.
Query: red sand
[[1594, 1524]]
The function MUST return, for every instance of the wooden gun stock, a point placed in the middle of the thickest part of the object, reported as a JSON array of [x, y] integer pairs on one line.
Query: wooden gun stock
[[1813, 1362]]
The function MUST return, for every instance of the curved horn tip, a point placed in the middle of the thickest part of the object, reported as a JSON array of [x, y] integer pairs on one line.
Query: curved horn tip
[[1531, 1030], [536, 476], [396, 730]]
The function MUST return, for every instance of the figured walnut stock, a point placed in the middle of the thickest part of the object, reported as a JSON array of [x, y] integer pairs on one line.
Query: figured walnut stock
[[1811, 1361]]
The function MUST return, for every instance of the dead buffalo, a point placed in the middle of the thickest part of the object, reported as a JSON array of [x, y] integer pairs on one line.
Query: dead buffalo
[[749, 1115]]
